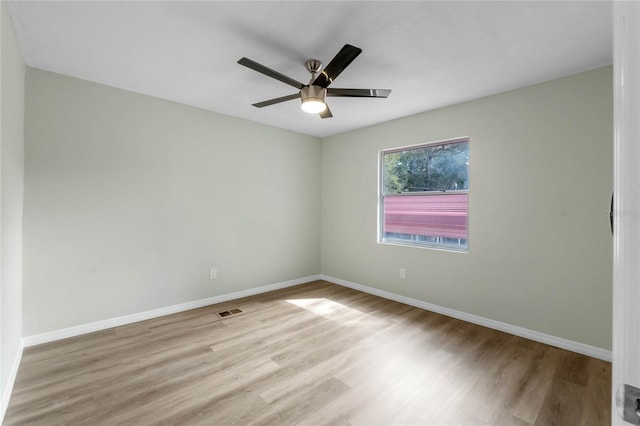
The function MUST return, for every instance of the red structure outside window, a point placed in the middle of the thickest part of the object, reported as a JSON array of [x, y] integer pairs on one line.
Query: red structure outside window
[[426, 215]]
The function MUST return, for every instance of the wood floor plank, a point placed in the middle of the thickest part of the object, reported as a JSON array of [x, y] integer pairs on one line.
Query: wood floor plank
[[528, 399], [316, 354], [495, 388], [292, 410], [560, 408], [596, 408], [574, 369]]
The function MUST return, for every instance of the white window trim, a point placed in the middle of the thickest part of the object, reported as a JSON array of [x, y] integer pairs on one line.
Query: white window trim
[[380, 207]]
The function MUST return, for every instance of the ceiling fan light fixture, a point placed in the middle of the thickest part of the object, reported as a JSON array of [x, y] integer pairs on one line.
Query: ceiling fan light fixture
[[313, 106], [313, 99], [313, 95]]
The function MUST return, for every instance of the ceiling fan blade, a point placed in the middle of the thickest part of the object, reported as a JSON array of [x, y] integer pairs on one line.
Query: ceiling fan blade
[[345, 56], [359, 93], [277, 100], [326, 113], [269, 72]]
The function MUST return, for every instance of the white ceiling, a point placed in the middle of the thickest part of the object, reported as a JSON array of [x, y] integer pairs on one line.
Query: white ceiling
[[431, 54]]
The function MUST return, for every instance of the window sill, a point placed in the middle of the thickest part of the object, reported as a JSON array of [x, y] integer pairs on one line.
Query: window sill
[[425, 246]]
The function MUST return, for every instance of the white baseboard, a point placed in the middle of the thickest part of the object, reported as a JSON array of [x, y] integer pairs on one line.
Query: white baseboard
[[51, 336], [475, 319], [6, 392], [548, 339]]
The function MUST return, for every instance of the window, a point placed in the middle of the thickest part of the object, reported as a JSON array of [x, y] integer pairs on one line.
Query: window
[[424, 195]]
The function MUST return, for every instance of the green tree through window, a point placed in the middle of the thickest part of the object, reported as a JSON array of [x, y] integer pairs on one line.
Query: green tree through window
[[428, 168]]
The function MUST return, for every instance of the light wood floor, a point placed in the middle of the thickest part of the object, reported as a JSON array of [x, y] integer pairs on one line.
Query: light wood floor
[[311, 354]]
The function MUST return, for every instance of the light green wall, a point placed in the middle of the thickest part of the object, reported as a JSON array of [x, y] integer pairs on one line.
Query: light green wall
[[130, 200], [12, 189], [541, 172]]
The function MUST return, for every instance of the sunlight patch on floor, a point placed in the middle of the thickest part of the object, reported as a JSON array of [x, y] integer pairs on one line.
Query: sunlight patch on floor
[[326, 308]]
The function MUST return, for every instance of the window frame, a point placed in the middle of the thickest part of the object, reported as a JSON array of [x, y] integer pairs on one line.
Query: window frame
[[381, 195]]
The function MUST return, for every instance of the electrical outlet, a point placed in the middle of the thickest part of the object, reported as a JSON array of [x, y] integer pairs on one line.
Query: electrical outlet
[[213, 273], [402, 273]]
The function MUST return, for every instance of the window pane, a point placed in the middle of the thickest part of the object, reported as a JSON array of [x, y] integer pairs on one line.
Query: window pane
[[434, 219], [442, 167], [425, 194]]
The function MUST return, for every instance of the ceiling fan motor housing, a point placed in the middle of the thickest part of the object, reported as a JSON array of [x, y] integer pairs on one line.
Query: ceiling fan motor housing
[[313, 93]]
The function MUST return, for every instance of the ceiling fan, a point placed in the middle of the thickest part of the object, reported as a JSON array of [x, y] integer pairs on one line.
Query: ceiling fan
[[313, 94]]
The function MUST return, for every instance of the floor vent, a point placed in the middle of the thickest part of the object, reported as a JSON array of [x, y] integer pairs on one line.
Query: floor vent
[[228, 313]]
